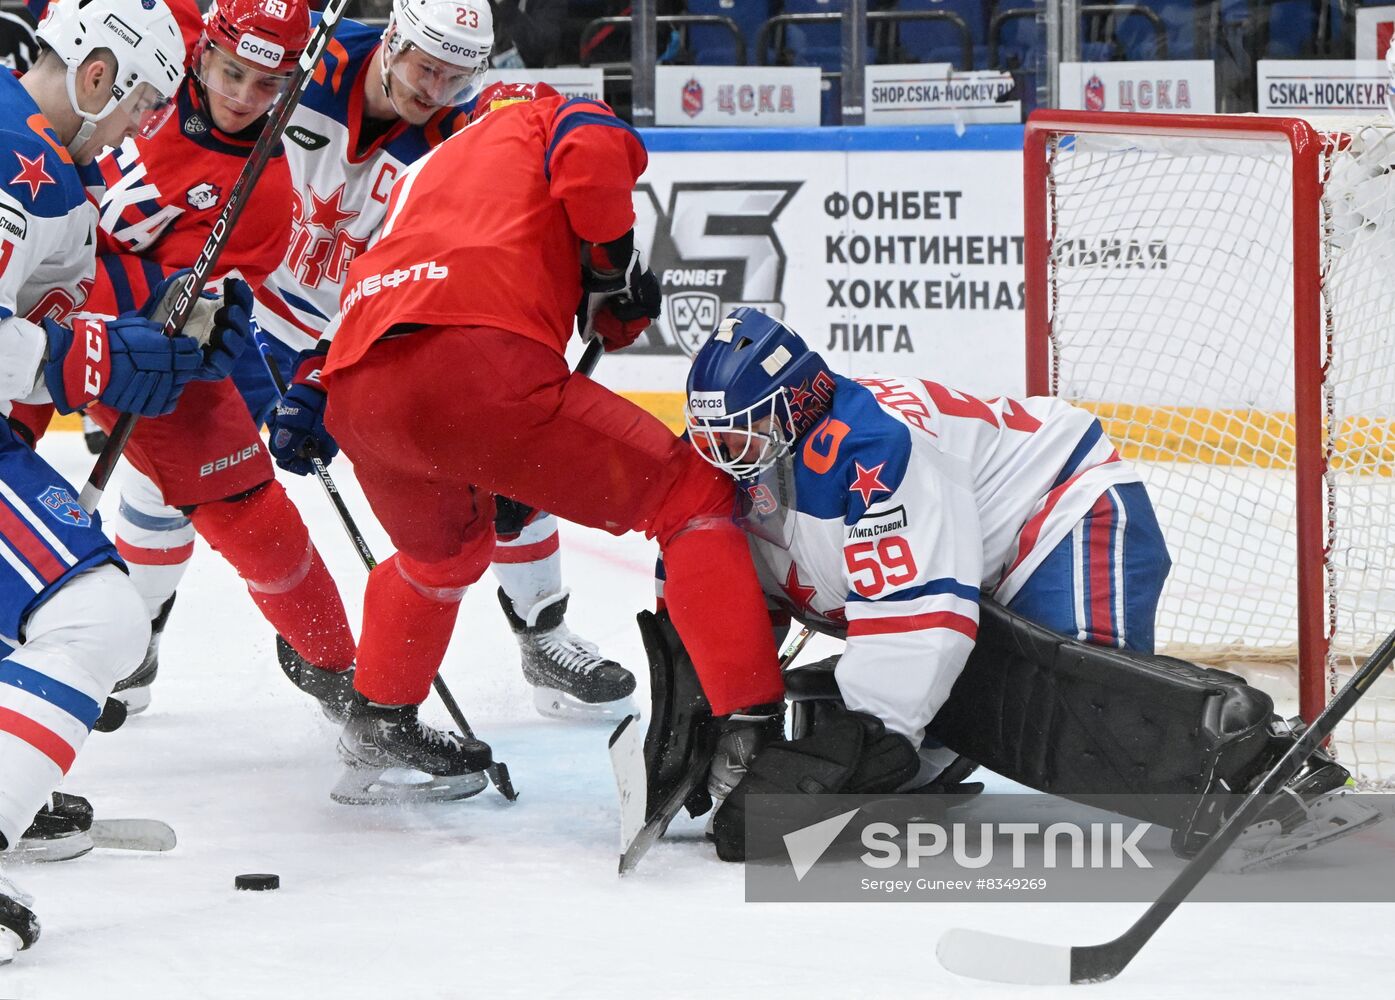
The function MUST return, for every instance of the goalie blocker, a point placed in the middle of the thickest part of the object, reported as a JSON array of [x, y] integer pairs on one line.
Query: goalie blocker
[[1168, 737]]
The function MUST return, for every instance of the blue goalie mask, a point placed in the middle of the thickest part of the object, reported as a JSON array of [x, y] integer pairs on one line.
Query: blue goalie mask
[[754, 388]]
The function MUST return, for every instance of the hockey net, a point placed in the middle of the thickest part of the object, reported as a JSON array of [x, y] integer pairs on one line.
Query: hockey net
[[1220, 290]]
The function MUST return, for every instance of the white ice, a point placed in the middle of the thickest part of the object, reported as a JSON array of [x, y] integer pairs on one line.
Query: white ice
[[484, 899]]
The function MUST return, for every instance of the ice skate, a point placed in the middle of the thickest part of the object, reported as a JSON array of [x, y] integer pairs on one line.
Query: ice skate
[[60, 831], [133, 690], [19, 927], [392, 757], [570, 677], [1314, 808], [334, 690]]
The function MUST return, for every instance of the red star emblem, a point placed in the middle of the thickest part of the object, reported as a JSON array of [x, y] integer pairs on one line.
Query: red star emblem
[[76, 515], [798, 593], [800, 396], [32, 173], [868, 482], [328, 213]]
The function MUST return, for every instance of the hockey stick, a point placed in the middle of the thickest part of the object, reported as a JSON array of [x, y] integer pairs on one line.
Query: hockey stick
[[219, 235], [498, 771], [981, 955]]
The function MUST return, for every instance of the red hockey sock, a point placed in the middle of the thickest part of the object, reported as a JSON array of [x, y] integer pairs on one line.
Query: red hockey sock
[[263, 538], [719, 611], [409, 612]]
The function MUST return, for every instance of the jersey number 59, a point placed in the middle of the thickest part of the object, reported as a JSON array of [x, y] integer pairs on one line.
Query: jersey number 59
[[874, 566]]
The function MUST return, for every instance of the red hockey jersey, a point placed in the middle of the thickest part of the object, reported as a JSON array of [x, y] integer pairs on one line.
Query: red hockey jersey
[[486, 229], [159, 197]]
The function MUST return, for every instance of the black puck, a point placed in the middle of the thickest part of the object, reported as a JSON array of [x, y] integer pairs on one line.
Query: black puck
[[257, 882]]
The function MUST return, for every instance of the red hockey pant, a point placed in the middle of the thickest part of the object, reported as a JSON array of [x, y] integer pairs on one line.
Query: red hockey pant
[[438, 421]]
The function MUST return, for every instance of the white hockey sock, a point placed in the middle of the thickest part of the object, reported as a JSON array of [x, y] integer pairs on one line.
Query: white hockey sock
[[529, 567], [91, 632], [157, 541]]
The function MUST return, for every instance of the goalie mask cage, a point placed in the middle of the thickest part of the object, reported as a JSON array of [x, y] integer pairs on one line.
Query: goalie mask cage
[[1220, 290]]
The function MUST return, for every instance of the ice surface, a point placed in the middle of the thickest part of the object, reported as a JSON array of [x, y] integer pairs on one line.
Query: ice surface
[[483, 899]]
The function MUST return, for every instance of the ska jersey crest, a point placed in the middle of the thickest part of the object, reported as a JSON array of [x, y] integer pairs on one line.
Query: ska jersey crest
[[61, 506], [321, 245], [714, 248]]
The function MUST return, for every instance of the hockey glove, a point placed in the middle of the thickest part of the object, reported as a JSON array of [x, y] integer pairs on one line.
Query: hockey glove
[[618, 305], [127, 363], [297, 427], [741, 737], [221, 324], [231, 331], [848, 752], [165, 295]]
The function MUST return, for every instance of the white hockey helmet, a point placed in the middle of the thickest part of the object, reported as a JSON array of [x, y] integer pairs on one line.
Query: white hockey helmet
[[142, 36], [459, 33]]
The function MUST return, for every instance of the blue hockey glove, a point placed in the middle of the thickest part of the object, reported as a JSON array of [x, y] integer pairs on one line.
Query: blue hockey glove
[[297, 427], [127, 363], [221, 324], [231, 333]]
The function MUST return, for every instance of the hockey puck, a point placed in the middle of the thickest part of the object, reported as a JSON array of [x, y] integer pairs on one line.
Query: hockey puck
[[257, 882]]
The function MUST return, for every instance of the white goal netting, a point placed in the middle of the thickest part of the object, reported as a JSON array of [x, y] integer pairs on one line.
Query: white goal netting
[[1171, 295]]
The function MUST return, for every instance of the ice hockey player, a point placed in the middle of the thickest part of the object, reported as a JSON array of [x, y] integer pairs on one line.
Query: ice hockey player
[[203, 468], [447, 385], [71, 618], [882, 510], [379, 103]]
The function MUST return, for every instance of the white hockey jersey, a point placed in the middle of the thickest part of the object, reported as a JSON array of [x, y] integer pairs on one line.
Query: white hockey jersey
[[47, 244], [910, 500], [340, 184]]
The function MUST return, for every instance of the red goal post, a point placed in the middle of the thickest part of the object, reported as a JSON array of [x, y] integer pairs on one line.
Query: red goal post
[[1215, 263]]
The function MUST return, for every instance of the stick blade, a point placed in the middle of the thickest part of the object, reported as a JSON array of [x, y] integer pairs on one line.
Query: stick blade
[[627, 760], [133, 834], [995, 958]]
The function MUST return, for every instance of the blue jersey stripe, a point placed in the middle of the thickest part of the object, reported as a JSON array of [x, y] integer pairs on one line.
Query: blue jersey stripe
[[56, 693], [577, 119], [933, 588], [1087, 443], [120, 284], [304, 305], [152, 522]]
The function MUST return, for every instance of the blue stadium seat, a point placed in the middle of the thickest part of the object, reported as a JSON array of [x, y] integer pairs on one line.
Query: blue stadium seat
[[714, 46], [1137, 37], [1291, 29], [941, 41], [817, 44]]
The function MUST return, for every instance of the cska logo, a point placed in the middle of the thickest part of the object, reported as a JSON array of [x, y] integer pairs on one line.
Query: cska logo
[[692, 98], [1094, 94]]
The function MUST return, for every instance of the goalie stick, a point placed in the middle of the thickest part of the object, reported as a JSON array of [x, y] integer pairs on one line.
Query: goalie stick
[[498, 771], [218, 236], [639, 828], [980, 955]]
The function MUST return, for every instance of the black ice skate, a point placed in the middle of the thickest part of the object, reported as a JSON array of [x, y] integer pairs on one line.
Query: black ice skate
[[1312, 809], [334, 690], [133, 690], [570, 677], [19, 927], [65, 828], [393, 757], [59, 831]]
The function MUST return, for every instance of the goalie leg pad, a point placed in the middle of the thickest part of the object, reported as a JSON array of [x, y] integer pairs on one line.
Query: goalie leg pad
[[680, 735], [1073, 719]]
